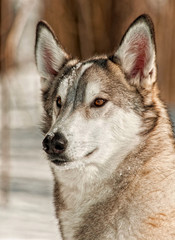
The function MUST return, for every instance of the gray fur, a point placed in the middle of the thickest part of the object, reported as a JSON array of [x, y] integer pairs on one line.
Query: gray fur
[[127, 191]]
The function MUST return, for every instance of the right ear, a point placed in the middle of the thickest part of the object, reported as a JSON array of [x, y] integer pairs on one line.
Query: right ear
[[49, 55]]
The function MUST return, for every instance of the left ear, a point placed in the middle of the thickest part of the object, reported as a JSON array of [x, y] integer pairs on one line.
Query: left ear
[[136, 53]]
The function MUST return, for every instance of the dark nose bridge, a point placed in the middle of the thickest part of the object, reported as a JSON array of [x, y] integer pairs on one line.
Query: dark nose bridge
[[74, 99], [54, 143]]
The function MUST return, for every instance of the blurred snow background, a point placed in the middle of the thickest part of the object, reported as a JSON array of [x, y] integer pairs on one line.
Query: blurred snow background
[[26, 206]]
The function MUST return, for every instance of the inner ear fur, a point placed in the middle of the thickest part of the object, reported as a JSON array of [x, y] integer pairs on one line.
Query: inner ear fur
[[49, 54], [137, 52]]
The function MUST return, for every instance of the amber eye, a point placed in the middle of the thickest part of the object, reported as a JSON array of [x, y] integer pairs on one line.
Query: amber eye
[[58, 102], [99, 102]]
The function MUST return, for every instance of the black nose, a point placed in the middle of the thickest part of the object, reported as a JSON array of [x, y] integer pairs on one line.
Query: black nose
[[54, 144]]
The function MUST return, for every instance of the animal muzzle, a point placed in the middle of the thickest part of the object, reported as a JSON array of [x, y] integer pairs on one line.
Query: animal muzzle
[[54, 143]]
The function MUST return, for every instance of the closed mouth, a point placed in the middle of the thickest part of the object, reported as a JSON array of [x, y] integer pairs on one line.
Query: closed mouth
[[63, 162], [59, 162], [90, 153]]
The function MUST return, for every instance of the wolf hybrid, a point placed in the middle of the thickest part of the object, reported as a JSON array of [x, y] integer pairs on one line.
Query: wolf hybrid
[[108, 139]]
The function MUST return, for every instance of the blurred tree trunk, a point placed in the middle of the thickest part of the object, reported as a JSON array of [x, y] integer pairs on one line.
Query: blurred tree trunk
[[12, 27], [5, 23], [85, 28], [61, 15]]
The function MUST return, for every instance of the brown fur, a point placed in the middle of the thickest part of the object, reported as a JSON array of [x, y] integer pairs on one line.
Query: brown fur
[[139, 196]]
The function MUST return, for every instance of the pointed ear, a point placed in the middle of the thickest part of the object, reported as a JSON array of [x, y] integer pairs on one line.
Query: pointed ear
[[49, 55], [136, 53]]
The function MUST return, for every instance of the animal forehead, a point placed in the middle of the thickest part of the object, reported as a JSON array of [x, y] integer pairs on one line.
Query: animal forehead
[[74, 73], [82, 73]]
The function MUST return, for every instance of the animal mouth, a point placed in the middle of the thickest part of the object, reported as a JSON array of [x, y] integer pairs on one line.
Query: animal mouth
[[60, 162], [90, 153], [63, 162]]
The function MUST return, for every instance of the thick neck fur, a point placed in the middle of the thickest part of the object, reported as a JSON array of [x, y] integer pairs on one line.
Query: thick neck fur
[[77, 199]]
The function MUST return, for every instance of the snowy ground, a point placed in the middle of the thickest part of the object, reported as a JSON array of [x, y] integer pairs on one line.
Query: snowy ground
[[29, 213]]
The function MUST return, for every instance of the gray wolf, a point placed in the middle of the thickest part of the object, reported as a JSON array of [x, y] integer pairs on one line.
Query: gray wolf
[[108, 139]]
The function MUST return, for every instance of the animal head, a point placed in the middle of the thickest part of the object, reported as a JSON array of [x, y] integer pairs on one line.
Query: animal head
[[97, 111]]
